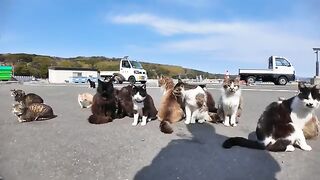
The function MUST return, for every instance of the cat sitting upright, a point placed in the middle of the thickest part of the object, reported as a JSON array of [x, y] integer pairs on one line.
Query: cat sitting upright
[[230, 103], [104, 103], [166, 83], [280, 126], [171, 109], [143, 105], [125, 104], [25, 99]]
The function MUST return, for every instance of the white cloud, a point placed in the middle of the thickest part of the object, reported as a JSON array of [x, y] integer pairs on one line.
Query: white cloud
[[171, 26]]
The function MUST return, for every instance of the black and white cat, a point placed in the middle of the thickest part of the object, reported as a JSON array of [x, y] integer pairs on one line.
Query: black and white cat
[[194, 98], [143, 105], [280, 126], [230, 104]]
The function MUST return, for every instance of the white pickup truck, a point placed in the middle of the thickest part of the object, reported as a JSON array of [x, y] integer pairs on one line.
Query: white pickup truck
[[280, 71], [130, 70]]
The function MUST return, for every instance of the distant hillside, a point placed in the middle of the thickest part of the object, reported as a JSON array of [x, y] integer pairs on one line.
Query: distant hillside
[[37, 65]]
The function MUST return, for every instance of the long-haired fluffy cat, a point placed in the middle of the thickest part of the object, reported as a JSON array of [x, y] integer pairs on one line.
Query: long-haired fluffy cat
[[230, 103], [104, 103], [171, 109], [143, 105], [25, 99], [166, 83], [195, 100], [280, 126], [33, 112], [125, 104], [85, 100]]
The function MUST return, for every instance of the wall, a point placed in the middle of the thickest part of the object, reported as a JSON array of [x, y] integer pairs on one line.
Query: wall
[[60, 76]]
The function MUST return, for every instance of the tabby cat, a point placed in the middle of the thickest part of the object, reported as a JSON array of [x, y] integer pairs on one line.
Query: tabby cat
[[33, 112], [25, 99]]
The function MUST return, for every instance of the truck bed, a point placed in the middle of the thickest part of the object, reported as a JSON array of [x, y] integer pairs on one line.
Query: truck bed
[[256, 71]]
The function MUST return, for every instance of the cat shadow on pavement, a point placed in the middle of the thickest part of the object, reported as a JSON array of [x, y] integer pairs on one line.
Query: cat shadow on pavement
[[201, 157]]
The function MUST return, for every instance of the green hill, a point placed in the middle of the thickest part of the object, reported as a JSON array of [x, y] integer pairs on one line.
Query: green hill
[[37, 65]]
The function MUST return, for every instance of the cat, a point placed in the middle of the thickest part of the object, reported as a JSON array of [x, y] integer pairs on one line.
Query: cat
[[194, 98], [230, 104], [85, 100], [104, 103], [33, 112], [92, 84], [311, 128], [280, 126], [25, 99], [143, 105], [171, 108], [125, 104], [166, 83]]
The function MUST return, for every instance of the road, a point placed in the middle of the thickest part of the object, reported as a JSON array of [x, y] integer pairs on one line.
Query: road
[[68, 147]]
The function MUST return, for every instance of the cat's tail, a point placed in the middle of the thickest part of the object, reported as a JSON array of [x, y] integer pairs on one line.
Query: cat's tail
[[242, 142], [165, 127], [45, 118], [93, 119]]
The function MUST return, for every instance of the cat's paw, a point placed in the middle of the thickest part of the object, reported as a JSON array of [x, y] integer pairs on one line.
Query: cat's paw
[[226, 123], [134, 123], [290, 148], [201, 121], [143, 123], [233, 124], [306, 148], [187, 122]]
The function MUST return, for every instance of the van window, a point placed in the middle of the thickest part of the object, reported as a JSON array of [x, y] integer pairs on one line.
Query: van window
[[125, 64], [282, 62]]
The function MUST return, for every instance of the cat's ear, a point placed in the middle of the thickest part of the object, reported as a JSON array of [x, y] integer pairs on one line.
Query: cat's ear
[[144, 86], [179, 80], [317, 86], [99, 81]]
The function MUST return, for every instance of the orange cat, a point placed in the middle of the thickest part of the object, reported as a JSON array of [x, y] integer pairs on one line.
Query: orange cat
[[85, 100]]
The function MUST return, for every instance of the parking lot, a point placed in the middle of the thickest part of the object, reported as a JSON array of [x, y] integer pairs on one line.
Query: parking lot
[[68, 147]]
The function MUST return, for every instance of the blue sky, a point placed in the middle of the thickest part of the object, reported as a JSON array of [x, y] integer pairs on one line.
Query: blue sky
[[209, 35]]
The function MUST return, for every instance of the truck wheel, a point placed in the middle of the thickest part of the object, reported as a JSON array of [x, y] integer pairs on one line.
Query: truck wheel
[[282, 80], [132, 80], [251, 80]]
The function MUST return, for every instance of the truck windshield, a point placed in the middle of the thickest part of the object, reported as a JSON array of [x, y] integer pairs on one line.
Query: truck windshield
[[136, 65]]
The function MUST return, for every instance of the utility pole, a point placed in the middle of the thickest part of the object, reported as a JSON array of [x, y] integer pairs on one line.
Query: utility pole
[[317, 78]]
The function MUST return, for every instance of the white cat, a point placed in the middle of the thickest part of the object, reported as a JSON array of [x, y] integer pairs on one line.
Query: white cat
[[230, 104], [195, 101]]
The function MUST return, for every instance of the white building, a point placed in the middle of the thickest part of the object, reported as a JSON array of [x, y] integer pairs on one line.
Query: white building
[[71, 75]]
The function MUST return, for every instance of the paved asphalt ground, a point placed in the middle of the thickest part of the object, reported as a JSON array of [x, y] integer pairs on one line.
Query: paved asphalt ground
[[68, 147]]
